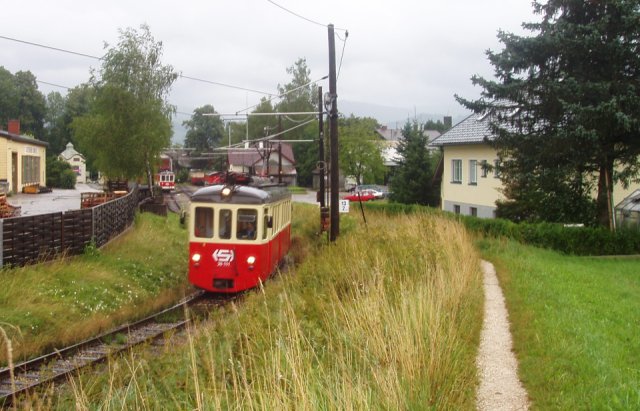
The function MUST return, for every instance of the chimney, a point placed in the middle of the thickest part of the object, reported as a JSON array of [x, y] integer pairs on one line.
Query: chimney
[[448, 122], [14, 127]]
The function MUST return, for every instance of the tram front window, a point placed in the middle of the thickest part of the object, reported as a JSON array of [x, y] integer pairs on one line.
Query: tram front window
[[246, 224], [224, 231], [203, 222]]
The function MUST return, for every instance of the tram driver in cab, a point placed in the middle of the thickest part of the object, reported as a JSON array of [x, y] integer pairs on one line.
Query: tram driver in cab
[[248, 232]]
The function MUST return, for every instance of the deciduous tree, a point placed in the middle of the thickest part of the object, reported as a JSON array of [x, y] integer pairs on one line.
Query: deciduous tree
[[360, 154], [300, 95], [204, 132], [20, 99], [130, 118]]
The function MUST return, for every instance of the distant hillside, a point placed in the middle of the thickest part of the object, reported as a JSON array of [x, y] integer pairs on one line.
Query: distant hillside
[[392, 117]]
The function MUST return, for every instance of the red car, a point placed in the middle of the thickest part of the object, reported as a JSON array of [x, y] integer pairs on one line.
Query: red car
[[364, 195]]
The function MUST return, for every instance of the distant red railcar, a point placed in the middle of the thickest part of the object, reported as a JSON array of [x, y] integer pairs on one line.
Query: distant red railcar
[[166, 180], [238, 235]]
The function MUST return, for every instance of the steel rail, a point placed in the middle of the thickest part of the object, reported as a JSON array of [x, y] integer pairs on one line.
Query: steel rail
[[28, 375]]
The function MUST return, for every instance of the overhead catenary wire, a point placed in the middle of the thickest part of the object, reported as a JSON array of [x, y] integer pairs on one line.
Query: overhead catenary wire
[[344, 45], [272, 95], [267, 138], [285, 93], [58, 49], [301, 16]]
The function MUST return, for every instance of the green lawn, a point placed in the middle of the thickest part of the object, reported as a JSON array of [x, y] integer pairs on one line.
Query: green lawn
[[576, 325], [63, 301]]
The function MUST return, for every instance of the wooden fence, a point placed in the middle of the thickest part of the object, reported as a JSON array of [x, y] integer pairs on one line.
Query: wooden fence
[[30, 239]]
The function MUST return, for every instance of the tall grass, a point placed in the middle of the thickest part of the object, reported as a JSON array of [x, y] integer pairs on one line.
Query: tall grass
[[386, 318]]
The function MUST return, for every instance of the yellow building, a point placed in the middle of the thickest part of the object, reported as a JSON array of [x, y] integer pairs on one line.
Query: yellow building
[[22, 159], [468, 186]]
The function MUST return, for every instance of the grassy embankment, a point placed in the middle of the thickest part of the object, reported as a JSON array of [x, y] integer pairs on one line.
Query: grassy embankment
[[59, 302], [576, 325], [386, 318]]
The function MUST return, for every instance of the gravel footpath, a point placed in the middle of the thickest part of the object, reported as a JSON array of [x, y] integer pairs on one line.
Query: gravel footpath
[[500, 388]]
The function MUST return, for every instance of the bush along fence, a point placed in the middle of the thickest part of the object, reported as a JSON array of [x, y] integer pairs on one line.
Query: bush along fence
[[568, 240], [31, 239]]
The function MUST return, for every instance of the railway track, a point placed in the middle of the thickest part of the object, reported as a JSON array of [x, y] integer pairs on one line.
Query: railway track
[[178, 199], [40, 372]]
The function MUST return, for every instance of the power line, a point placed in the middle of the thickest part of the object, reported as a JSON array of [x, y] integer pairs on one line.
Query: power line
[[227, 85], [51, 48], [100, 58], [53, 84], [300, 16], [284, 94], [344, 44]]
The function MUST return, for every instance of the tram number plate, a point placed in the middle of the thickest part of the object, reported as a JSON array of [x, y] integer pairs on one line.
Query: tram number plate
[[223, 257]]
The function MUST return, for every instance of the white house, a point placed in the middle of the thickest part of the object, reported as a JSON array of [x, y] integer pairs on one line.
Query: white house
[[77, 162], [468, 186]]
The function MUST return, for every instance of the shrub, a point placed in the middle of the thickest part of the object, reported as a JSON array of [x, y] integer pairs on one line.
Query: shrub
[[67, 179], [59, 174]]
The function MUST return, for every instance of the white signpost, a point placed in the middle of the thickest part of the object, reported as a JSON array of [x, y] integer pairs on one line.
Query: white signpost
[[344, 206]]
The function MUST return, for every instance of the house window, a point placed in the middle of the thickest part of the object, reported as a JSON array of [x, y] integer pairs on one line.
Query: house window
[[496, 168], [456, 171], [473, 172], [484, 169], [456, 208], [474, 211], [30, 169]]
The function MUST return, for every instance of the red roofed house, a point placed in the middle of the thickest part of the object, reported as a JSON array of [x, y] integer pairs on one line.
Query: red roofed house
[[264, 160]]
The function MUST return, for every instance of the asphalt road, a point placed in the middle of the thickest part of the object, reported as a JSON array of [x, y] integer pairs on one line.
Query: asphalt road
[[63, 200], [56, 201]]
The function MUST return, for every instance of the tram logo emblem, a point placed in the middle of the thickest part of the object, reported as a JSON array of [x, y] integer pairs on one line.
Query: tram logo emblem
[[223, 256]]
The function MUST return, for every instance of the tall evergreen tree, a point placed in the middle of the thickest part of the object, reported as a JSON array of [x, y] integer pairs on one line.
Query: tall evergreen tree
[[413, 181], [566, 103]]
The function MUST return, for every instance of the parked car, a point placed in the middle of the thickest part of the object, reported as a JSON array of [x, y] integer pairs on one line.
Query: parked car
[[364, 195], [379, 191]]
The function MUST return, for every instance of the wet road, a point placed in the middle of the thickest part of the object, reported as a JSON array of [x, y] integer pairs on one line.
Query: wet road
[[63, 200], [55, 201]]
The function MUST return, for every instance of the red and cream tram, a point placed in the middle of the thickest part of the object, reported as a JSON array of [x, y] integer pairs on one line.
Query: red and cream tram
[[238, 235], [166, 180]]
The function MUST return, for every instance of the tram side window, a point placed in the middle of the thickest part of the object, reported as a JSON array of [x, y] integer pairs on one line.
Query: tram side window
[[224, 220], [203, 222], [265, 224], [247, 224]]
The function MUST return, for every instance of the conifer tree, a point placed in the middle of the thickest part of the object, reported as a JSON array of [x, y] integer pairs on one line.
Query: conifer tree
[[413, 179], [565, 106]]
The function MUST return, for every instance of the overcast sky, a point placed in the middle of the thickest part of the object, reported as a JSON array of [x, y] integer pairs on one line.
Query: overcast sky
[[409, 55]]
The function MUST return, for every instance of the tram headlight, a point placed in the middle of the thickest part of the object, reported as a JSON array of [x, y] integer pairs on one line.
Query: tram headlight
[[251, 260], [226, 191], [196, 259]]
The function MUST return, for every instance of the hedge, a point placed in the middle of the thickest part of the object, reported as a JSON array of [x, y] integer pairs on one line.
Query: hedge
[[568, 240]]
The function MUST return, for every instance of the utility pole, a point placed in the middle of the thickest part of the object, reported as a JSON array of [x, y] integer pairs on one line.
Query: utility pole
[[321, 164], [333, 151], [279, 152]]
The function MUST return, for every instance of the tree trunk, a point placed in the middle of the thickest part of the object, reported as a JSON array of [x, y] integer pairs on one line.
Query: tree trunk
[[149, 177], [605, 195]]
